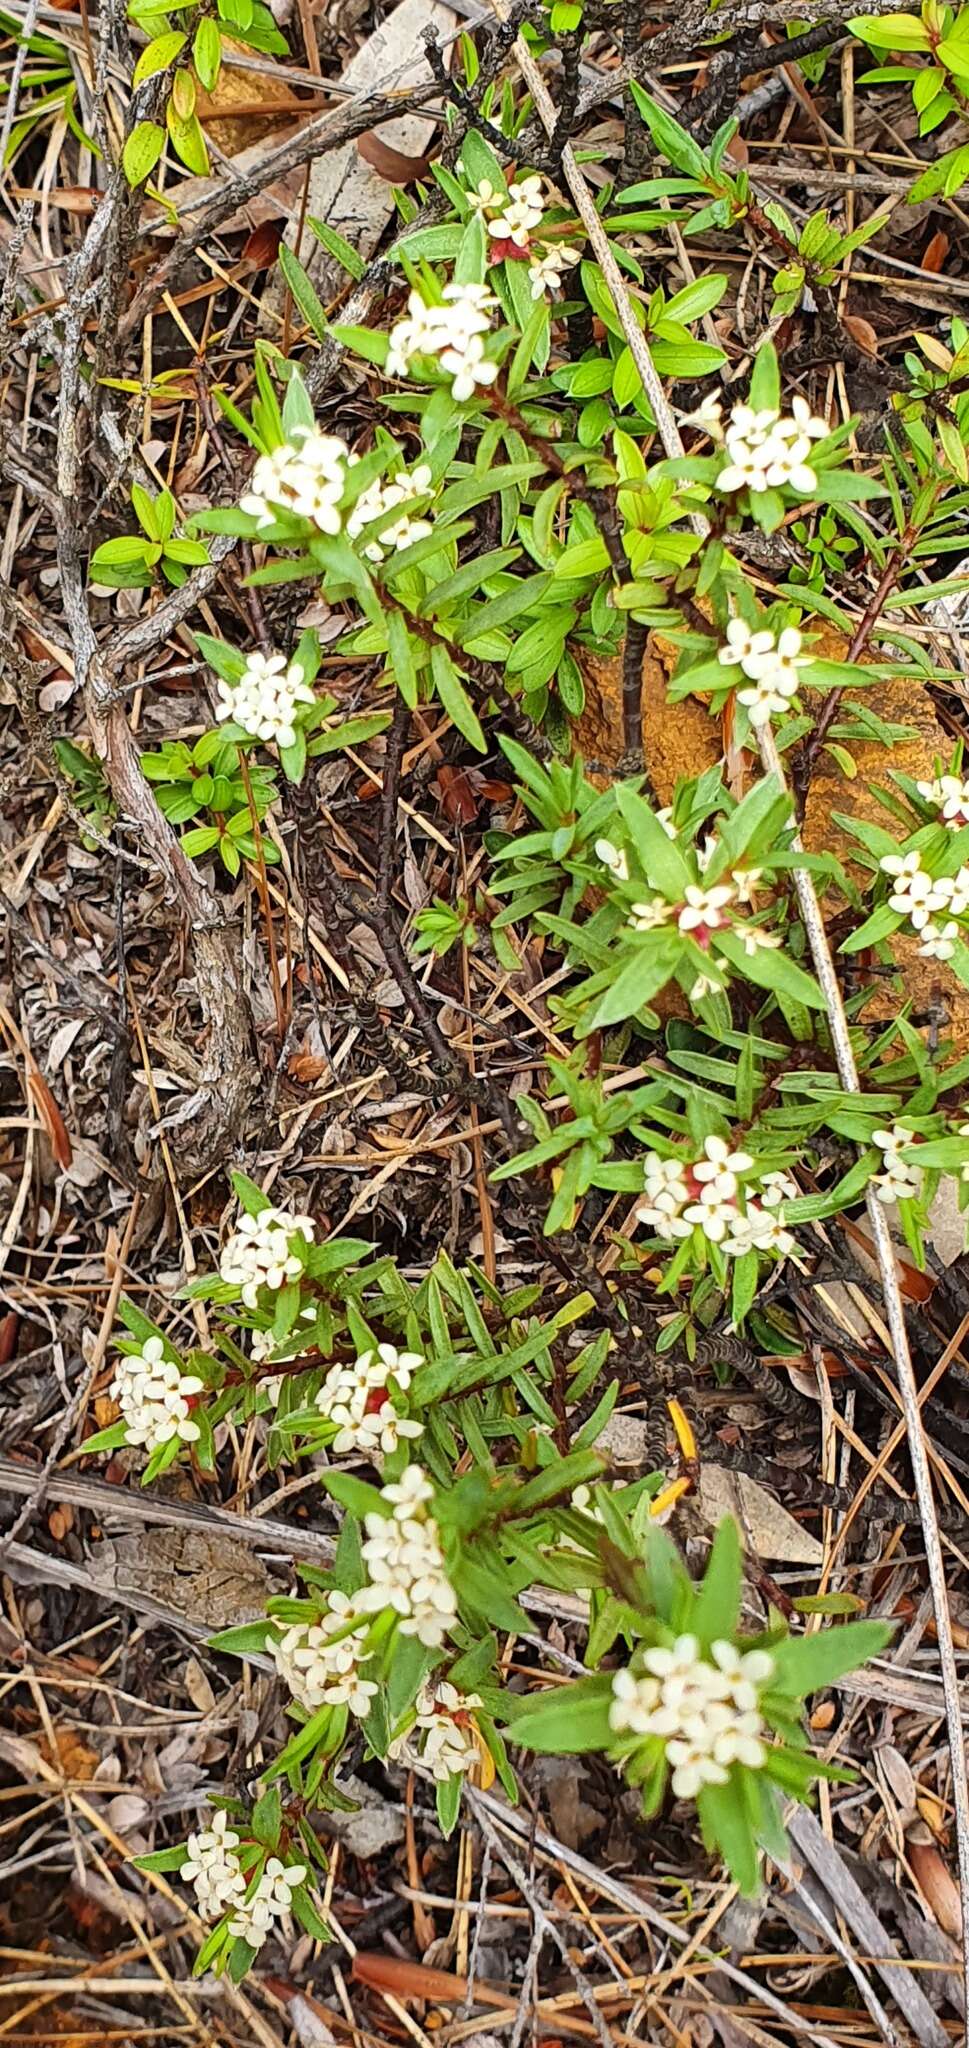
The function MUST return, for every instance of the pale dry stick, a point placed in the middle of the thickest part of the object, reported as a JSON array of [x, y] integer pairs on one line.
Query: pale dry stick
[[837, 1019]]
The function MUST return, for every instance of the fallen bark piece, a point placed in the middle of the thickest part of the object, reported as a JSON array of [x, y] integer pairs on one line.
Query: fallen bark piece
[[347, 188]]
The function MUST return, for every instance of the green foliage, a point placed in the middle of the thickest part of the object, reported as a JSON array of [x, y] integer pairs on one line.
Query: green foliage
[[206, 782], [132, 561]]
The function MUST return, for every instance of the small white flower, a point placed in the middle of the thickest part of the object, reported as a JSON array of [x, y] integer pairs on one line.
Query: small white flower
[[319, 1671], [613, 858], [705, 985], [753, 428], [693, 1767], [939, 941], [745, 470], [649, 916], [757, 940], [258, 1253], [916, 893], [777, 1188], [212, 1868], [411, 1493], [386, 498], [803, 421], [787, 466], [746, 882], [742, 643], [760, 1230], [746, 1674], [704, 908], [712, 1214], [953, 891], [718, 1161], [155, 1397], [452, 331], [486, 196], [900, 1179], [708, 417], [950, 795], [545, 268], [444, 1716], [633, 1702]]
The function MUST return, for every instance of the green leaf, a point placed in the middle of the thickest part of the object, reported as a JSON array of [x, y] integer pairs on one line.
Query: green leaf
[[697, 298], [660, 856], [470, 263], [765, 379], [309, 1919], [891, 31], [717, 1606], [163, 1859], [207, 53], [188, 141], [158, 56], [566, 1720], [479, 162], [303, 293], [649, 969], [455, 699], [400, 654], [803, 1664], [353, 1494], [726, 1823], [772, 970], [128, 547], [671, 140], [448, 1801], [335, 246]]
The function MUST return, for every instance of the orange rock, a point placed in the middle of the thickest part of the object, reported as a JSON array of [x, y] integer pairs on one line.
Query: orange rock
[[245, 106], [679, 740]]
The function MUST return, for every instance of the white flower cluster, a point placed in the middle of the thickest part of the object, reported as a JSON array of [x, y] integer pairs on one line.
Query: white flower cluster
[[546, 267], [513, 218], [388, 496], [154, 1397], [453, 332], [681, 1197], [253, 1919], [266, 698], [915, 894], [771, 661], [356, 1397], [212, 1868], [306, 476], [898, 1180], [444, 1716], [708, 1713], [258, 1253], [765, 449], [948, 794], [405, 1562], [319, 1661]]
